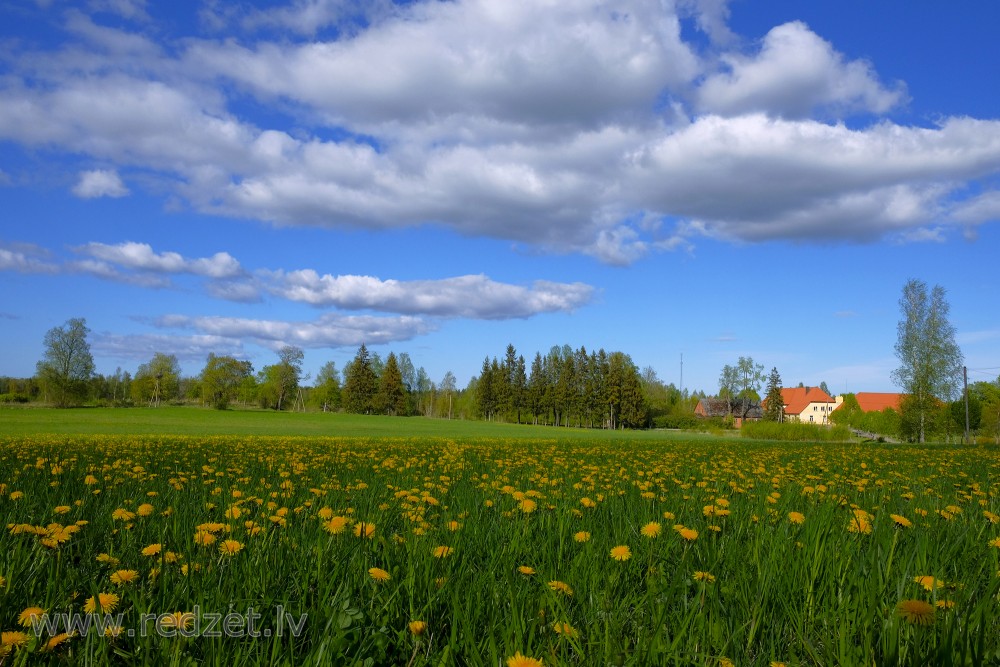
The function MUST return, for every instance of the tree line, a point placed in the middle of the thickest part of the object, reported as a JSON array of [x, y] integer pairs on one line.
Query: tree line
[[565, 387]]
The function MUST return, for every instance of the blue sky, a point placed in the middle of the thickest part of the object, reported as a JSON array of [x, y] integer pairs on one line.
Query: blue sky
[[702, 178]]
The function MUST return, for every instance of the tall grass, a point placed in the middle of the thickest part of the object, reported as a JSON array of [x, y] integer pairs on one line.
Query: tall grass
[[775, 573]]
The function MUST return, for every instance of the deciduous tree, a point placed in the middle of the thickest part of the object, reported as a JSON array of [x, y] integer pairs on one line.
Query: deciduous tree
[[68, 364], [930, 361], [222, 378]]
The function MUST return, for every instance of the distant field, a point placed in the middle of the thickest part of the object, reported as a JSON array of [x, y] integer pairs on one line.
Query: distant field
[[203, 421]]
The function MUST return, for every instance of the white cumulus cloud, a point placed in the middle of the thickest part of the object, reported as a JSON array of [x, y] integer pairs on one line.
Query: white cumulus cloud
[[327, 331], [795, 73], [474, 296], [99, 183]]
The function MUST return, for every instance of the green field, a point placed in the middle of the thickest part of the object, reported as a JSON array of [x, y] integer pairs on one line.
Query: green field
[[204, 421], [367, 542]]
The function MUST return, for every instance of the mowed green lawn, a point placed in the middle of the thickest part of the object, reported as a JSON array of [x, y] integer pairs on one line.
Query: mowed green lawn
[[204, 421]]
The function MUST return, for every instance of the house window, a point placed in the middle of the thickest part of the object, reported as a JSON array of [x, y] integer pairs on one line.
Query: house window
[[815, 408], [810, 418]]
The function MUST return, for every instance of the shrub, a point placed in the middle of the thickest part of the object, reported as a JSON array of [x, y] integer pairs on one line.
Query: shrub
[[14, 398], [795, 431]]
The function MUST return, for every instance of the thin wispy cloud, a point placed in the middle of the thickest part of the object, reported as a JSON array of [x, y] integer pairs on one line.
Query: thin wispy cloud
[[471, 296]]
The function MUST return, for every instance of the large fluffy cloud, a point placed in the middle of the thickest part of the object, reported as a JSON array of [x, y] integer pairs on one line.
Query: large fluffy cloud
[[580, 126]]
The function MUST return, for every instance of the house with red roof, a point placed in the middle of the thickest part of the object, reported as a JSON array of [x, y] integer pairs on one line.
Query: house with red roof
[[871, 401], [809, 404]]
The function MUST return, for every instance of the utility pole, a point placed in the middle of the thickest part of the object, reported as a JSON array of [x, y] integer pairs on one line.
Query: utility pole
[[965, 390]]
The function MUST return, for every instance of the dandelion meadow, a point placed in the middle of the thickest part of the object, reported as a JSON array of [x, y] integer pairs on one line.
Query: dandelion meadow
[[437, 551]]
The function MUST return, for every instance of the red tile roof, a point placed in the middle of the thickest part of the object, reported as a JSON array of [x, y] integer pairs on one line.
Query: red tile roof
[[870, 401], [797, 399]]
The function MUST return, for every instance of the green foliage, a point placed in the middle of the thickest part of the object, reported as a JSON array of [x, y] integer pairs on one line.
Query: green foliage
[[326, 391], [157, 380], [360, 384], [222, 379], [794, 432], [67, 367], [774, 406], [930, 367], [391, 396]]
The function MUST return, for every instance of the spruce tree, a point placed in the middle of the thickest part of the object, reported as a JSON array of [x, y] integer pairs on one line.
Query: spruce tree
[[774, 405]]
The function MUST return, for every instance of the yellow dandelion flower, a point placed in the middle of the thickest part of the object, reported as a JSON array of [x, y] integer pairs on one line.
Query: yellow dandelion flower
[[30, 616], [859, 524], [107, 558], [560, 587], [689, 534], [526, 570], [152, 550], [335, 525], [204, 538], [565, 629], [144, 509], [11, 640], [995, 543], [122, 577], [528, 505], [230, 547], [707, 577], [582, 536], [518, 660], [106, 601], [378, 574], [945, 604], [62, 509], [55, 641], [901, 521], [179, 620], [417, 628], [651, 530], [916, 612], [929, 583], [364, 529], [621, 552], [442, 551], [797, 517], [90, 480], [122, 514], [669, 516]]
